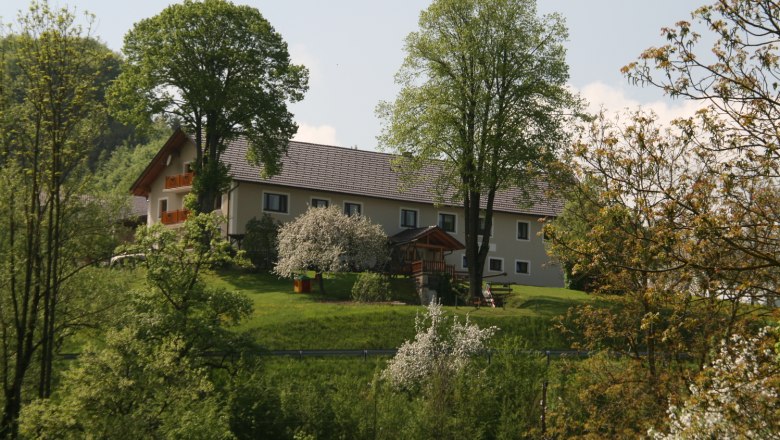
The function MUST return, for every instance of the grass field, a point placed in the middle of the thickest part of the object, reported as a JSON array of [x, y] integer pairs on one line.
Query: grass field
[[286, 320]]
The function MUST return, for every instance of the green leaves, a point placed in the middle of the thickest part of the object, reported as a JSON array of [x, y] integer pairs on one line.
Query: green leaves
[[223, 71]]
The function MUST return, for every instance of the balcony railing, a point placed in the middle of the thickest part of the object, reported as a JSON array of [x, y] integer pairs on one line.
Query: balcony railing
[[173, 217], [178, 181], [431, 266]]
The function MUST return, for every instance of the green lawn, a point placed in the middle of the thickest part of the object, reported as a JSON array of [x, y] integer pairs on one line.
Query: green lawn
[[286, 320]]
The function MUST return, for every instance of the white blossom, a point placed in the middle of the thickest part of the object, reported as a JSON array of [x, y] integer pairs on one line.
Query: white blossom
[[327, 240], [437, 348], [739, 398]]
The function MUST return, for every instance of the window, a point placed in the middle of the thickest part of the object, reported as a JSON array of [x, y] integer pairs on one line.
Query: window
[[496, 264], [320, 203], [464, 263], [481, 229], [523, 267], [162, 206], [352, 208], [447, 222], [187, 168], [275, 202], [522, 230], [408, 218]]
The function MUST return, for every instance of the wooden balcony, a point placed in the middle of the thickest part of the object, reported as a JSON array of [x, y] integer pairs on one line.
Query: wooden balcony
[[179, 181], [429, 266], [174, 217]]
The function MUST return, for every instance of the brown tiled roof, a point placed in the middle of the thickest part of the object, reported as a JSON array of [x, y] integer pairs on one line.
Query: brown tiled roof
[[436, 233], [369, 174]]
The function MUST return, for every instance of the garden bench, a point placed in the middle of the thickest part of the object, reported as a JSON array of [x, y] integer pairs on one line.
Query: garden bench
[[492, 296]]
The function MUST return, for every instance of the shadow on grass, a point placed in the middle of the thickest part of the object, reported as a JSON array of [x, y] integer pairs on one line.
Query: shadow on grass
[[542, 305]]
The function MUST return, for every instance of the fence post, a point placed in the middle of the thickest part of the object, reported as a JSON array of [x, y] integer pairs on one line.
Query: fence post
[[544, 393]]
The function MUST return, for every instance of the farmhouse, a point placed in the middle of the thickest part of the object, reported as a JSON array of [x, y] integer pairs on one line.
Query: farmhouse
[[361, 183]]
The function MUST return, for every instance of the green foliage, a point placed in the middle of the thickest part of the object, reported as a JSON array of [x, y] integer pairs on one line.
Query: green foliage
[[153, 375], [240, 86], [343, 398], [130, 389], [51, 117], [117, 172], [447, 292], [608, 397], [371, 287], [483, 90], [177, 300], [259, 243]]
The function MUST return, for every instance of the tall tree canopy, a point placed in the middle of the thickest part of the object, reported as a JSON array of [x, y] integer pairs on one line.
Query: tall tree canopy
[[51, 116], [224, 72], [736, 80], [483, 89]]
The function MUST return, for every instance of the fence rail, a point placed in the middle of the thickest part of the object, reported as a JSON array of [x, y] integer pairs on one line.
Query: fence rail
[[366, 353]]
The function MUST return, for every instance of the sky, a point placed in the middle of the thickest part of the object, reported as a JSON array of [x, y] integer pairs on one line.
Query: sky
[[353, 48]]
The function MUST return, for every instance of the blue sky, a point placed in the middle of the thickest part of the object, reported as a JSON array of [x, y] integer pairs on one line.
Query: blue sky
[[354, 47]]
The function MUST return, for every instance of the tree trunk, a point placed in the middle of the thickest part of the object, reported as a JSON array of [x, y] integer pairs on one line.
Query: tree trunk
[[13, 406], [321, 281], [475, 268]]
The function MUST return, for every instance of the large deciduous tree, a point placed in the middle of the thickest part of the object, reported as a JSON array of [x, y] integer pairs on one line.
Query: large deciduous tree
[[484, 91], [327, 240], [154, 376], [736, 80], [223, 71], [684, 220]]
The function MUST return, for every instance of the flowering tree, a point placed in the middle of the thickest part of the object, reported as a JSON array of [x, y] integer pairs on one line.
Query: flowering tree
[[326, 240], [738, 397], [437, 349]]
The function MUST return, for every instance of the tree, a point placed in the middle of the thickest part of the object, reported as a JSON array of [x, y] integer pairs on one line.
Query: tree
[[128, 389], [177, 300], [224, 72], [439, 349], [117, 172], [484, 90], [433, 361], [107, 66], [154, 376], [260, 242], [736, 82], [50, 116], [327, 240]]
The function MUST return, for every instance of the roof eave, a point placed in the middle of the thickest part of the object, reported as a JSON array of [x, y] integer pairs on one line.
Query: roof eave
[[142, 185]]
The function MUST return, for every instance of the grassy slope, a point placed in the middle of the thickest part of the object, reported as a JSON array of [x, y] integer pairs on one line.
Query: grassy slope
[[286, 320]]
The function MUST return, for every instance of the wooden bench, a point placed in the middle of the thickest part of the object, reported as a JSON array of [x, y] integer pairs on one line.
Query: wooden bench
[[492, 296]]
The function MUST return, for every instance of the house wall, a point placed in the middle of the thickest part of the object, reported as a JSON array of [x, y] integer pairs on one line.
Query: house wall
[[158, 191], [175, 197], [247, 202]]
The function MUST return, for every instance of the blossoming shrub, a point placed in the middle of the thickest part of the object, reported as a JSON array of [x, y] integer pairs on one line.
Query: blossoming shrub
[[438, 349], [327, 240], [738, 396]]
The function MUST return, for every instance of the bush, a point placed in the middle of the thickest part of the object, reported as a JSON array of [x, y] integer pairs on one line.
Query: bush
[[371, 287], [260, 242]]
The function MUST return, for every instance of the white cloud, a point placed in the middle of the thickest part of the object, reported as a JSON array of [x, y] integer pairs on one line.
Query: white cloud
[[317, 134], [300, 54], [615, 100]]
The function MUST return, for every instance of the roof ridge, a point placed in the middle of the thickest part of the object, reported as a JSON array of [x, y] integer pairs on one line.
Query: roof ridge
[[339, 147]]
